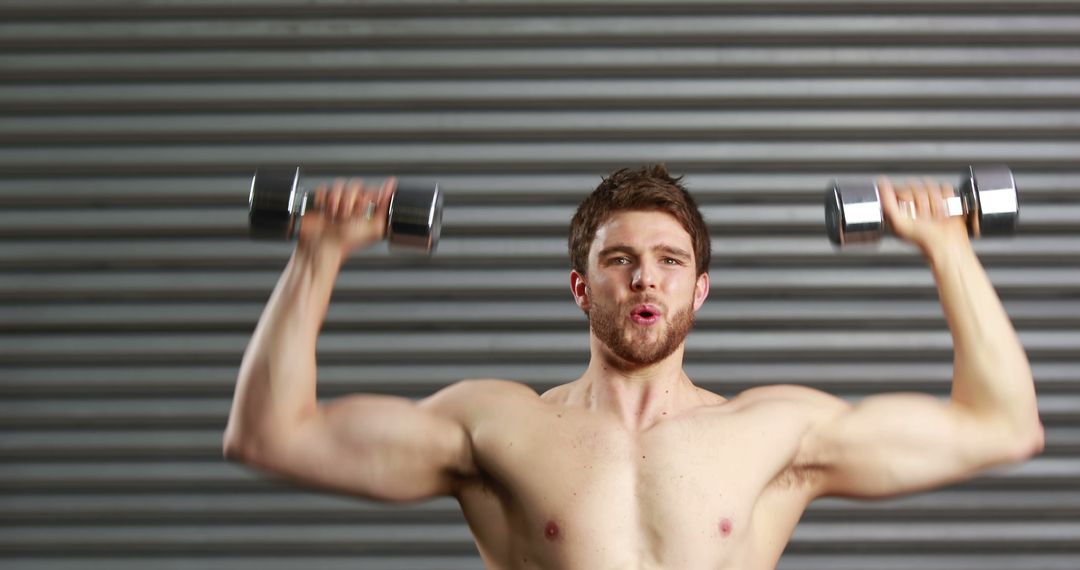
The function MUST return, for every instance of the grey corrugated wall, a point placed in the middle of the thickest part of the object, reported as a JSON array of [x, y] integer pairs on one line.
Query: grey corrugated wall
[[128, 288]]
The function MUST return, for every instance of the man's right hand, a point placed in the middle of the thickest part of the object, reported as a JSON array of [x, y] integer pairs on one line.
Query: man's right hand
[[347, 215]]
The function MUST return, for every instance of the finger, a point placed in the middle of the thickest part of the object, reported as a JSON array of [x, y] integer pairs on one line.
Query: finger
[[367, 206], [333, 202], [905, 200], [920, 200], [934, 202], [887, 194], [318, 202], [354, 190], [891, 204]]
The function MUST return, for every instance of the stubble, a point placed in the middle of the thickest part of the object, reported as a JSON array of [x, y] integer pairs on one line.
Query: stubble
[[631, 342]]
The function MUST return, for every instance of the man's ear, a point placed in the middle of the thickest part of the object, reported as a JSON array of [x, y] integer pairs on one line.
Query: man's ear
[[580, 290], [701, 290]]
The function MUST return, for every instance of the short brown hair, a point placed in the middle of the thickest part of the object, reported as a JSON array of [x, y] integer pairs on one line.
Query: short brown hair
[[644, 189]]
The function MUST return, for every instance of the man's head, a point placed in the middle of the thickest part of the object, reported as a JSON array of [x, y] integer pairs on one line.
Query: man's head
[[640, 251], [642, 189]]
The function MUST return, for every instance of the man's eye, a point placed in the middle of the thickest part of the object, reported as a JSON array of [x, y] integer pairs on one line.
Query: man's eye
[[672, 261]]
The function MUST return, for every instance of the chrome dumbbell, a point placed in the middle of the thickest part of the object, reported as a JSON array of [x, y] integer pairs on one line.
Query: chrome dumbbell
[[988, 200], [277, 204]]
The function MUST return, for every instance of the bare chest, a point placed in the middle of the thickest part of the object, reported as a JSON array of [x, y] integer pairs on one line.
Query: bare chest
[[579, 493]]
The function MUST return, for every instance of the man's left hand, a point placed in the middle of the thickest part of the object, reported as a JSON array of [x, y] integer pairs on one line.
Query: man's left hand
[[917, 212]]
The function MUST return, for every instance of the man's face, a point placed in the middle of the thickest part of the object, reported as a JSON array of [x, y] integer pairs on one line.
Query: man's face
[[641, 290]]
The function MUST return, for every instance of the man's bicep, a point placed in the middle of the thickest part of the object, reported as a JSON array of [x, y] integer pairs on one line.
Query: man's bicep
[[379, 447], [899, 443]]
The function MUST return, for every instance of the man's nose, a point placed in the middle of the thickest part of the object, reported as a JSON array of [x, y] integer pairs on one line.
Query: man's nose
[[642, 278]]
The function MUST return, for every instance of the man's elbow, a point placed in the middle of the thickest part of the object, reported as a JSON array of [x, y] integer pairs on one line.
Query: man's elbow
[[1029, 444], [243, 444], [256, 444], [234, 446]]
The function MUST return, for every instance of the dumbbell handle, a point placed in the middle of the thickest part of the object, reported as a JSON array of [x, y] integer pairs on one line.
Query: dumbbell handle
[[954, 205], [306, 203]]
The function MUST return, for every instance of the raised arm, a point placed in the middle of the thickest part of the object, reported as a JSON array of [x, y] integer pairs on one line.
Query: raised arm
[[373, 446], [897, 443]]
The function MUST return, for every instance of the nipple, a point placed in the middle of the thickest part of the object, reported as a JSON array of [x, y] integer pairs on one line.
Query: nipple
[[551, 531], [725, 527]]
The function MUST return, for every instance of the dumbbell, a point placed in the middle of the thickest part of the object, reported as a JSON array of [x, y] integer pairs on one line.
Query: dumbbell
[[988, 200], [277, 204]]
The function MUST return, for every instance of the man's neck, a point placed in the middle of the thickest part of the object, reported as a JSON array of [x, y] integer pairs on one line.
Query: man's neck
[[639, 396]]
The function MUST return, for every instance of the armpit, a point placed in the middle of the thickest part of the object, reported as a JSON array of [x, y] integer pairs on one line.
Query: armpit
[[797, 477]]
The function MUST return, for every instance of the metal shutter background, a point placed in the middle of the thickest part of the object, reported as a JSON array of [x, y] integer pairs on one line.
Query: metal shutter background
[[128, 288]]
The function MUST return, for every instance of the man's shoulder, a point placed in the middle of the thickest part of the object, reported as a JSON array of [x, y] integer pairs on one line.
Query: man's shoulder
[[804, 397], [481, 392]]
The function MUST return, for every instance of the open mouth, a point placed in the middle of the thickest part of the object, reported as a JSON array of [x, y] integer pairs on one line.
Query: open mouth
[[645, 314]]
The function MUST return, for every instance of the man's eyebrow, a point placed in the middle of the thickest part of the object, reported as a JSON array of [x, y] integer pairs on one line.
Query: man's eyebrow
[[622, 248], [616, 249], [676, 251]]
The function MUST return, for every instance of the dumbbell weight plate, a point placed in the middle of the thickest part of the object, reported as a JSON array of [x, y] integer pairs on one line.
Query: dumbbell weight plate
[[275, 203], [415, 218], [858, 209], [992, 194]]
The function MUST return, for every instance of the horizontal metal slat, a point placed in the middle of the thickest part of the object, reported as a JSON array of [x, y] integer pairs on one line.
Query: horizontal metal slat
[[131, 477], [559, 94], [177, 417], [444, 157], [141, 445], [653, 30], [562, 63], [293, 504], [984, 536], [383, 539], [780, 124], [63, 9]]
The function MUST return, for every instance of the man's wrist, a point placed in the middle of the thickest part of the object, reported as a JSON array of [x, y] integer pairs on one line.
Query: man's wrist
[[948, 252], [323, 254]]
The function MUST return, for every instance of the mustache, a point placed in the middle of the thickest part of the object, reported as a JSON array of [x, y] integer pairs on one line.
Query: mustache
[[646, 300]]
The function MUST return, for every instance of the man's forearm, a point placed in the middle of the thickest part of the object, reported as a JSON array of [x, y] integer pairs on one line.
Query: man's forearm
[[992, 376], [276, 384]]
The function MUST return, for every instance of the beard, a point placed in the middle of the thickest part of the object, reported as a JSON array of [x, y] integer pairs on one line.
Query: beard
[[635, 348]]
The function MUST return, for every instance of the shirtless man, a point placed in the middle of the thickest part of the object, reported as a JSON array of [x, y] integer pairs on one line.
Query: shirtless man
[[631, 465]]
